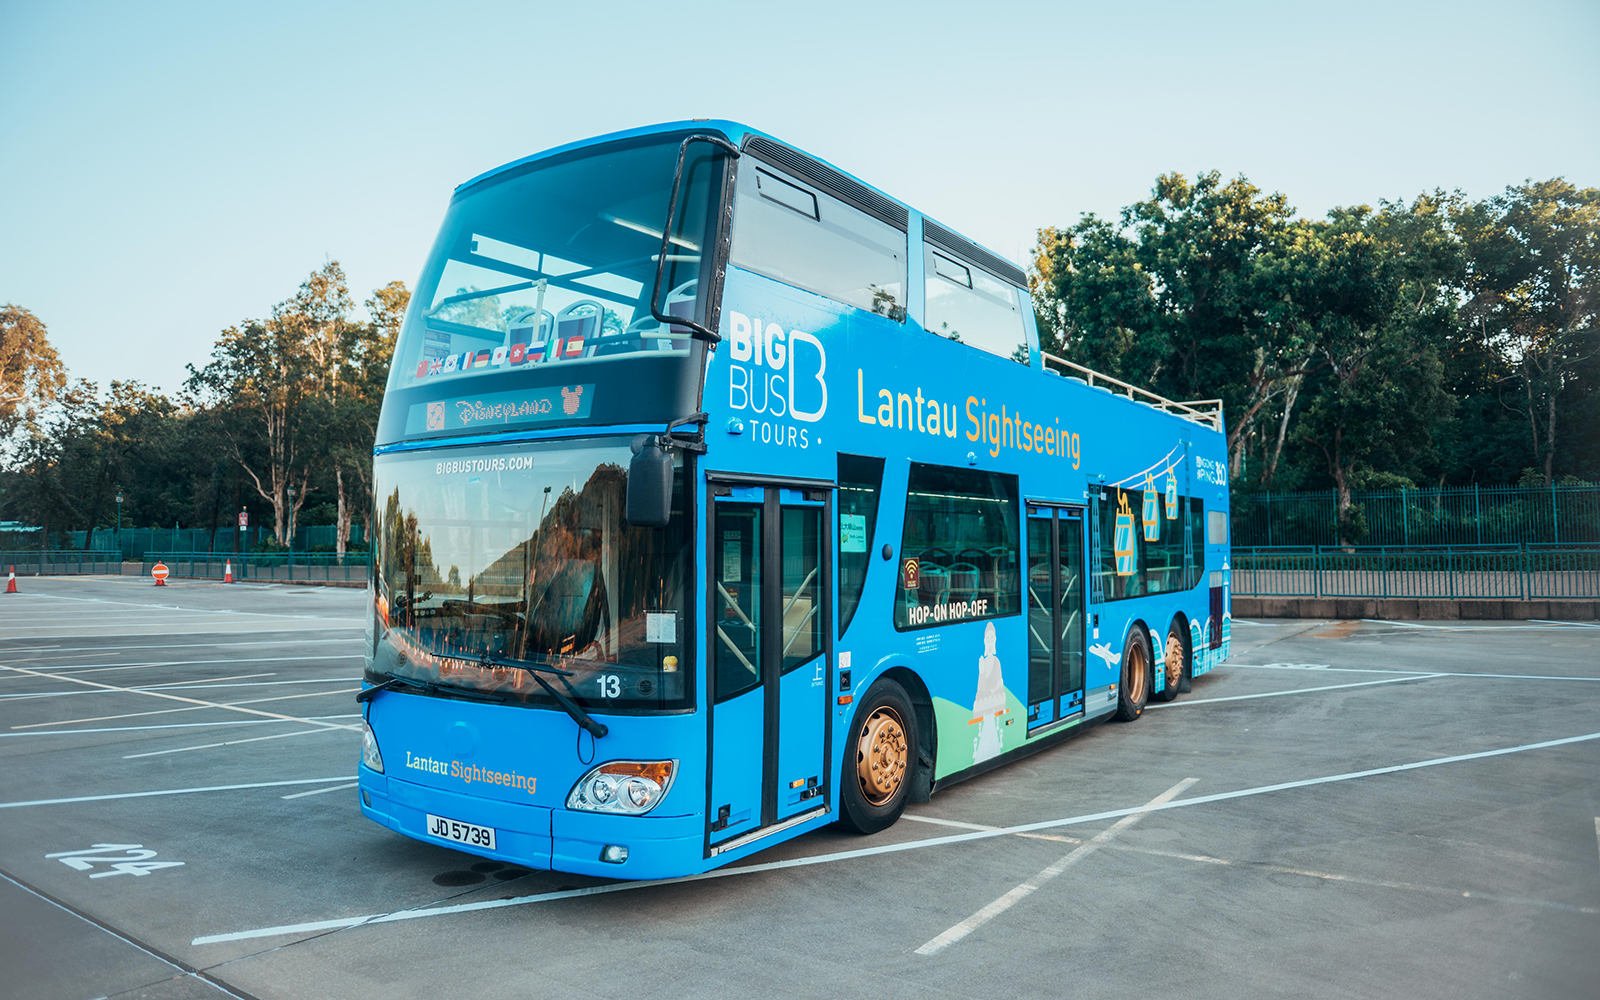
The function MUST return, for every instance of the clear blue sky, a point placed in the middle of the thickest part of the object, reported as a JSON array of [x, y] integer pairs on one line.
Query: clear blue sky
[[171, 169]]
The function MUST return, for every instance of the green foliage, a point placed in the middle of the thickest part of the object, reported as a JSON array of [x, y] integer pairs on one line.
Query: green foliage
[[31, 374], [1437, 341], [287, 401]]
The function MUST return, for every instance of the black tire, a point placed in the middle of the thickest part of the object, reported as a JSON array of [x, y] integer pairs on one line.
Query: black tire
[[878, 765], [1133, 692], [1174, 662]]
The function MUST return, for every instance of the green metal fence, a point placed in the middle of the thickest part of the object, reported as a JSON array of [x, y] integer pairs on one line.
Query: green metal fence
[[300, 567], [33, 562], [135, 542], [1520, 572], [1465, 516], [283, 567]]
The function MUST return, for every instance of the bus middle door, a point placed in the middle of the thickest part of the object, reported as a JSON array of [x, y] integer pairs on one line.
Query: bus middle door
[[1055, 615], [770, 581]]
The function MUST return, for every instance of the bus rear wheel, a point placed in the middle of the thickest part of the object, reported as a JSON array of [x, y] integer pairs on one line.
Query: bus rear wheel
[[1134, 690], [877, 771], [1172, 664]]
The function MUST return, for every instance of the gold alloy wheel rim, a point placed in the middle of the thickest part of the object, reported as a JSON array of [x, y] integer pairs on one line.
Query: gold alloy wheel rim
[[881, 755], [1136, 672], [1174, 660]]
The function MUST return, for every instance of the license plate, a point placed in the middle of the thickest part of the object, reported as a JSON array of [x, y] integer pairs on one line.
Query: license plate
[[462, 833]]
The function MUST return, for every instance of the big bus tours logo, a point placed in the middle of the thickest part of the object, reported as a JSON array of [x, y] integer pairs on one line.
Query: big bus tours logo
[[775, 377]]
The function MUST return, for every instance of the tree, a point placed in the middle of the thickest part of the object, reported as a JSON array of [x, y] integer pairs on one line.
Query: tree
[[271, 376], [1380, 393], [1534, 281], [43, 492], [31, 374], [1187, 294], [356, 401]]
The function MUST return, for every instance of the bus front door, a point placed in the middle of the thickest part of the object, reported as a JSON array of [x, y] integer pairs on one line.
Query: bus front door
[[1055, 615], [769, 586]]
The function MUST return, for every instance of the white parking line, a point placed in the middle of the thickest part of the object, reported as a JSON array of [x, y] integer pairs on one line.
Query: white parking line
[[245, 628], [175, 697], [181, 686], [953, 934], [172, 791], [229, 743], [319, 791], [915, 845], [168, 685], [1475, 628], [1409, 673], [1261, 866], [1279, 694], [204, 611], [197, 707], [166, 645], [182, 725], [91, 668]]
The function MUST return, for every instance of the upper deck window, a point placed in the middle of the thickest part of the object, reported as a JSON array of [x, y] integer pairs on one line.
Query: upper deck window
[[539, 284], [799, 234], [969, 305]]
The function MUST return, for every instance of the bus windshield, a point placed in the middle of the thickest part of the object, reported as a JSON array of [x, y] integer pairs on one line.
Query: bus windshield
[[534, 306], [520, 552]]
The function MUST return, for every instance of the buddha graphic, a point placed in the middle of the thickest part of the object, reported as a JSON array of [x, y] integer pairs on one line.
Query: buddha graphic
[[990, 703]]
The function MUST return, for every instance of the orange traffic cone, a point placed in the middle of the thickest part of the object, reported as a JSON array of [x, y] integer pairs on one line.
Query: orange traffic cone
[[160, 572], [227, 572], [11, 584]]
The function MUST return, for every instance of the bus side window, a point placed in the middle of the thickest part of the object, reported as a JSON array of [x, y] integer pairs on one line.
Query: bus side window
[[959, 548], [968, 305], [803, 236], [1197, 530], [1164, 570], [1123, 564], [860, 483], [1216, 527]]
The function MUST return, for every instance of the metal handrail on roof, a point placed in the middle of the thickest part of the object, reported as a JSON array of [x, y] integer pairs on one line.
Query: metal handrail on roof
[[1207, 412]]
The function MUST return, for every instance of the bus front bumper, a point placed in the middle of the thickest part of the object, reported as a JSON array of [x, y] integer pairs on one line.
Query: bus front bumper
[[539, 837]]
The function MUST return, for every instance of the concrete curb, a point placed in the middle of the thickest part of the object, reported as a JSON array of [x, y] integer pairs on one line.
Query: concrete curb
[[1412, 609]]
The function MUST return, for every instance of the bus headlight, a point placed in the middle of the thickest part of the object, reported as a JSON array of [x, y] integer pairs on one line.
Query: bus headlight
[[629, 787], [369, 748]]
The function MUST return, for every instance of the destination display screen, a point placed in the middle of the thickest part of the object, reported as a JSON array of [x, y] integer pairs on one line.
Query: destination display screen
[[495, 410]]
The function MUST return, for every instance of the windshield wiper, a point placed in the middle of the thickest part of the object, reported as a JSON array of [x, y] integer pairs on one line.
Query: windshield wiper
[[429, 688], [537, 672]]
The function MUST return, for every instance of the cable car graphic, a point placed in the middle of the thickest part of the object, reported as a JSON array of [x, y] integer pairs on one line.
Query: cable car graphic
[[1122, 540], [1172, 495], [1152, 520]]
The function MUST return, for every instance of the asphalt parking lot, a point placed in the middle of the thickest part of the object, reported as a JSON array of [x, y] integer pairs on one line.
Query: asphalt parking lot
[[1345, 809]]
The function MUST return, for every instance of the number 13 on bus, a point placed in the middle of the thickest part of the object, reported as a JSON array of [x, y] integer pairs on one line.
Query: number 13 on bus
[[721, 496]]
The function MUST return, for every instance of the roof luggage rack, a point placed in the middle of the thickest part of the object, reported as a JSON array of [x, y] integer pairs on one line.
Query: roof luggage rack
[[1207, 412]]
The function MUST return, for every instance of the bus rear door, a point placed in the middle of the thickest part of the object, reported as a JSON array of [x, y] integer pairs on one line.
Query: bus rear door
[[769, 585]]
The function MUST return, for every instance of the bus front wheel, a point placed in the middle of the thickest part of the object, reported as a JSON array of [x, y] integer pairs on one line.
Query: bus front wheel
[[1134, 690], [878, 766]]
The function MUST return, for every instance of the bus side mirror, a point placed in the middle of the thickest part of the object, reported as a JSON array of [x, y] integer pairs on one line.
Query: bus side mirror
[[649, 485]]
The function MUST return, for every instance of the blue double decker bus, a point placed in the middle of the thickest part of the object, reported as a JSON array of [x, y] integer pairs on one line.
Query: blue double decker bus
[[721, 496]]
